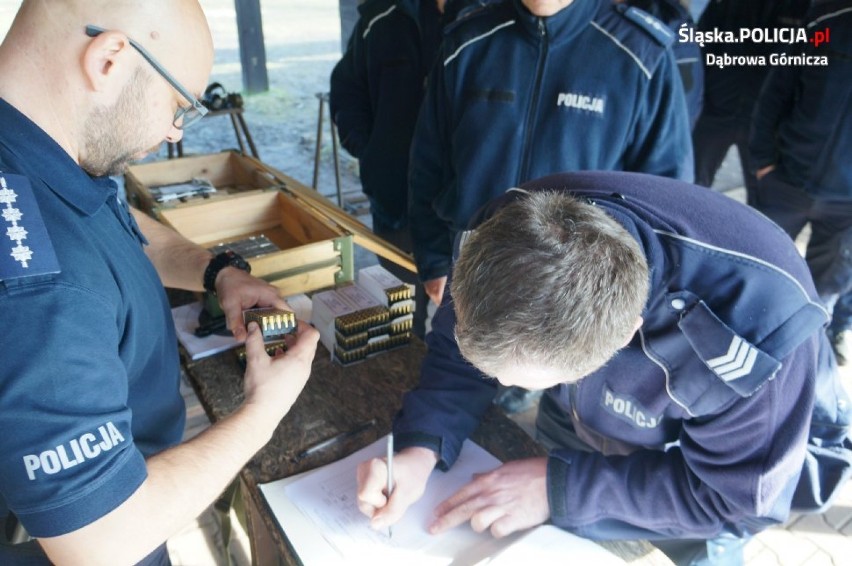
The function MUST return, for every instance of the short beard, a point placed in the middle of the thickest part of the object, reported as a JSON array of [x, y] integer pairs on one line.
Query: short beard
[[108, 149]]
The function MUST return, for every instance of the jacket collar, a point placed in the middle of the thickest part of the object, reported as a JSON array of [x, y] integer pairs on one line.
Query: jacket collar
[[655, 254], [30, 151], [560, 27]]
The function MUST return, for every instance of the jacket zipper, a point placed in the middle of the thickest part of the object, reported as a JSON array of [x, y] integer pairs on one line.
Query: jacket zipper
[[523, 172]]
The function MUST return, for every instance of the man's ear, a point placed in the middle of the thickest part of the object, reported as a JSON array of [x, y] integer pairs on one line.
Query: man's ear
[[636, 326], [108, 63]]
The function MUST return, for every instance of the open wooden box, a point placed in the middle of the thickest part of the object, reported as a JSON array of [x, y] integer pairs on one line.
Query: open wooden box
[[314, 237], [230, 173], [313, 252]]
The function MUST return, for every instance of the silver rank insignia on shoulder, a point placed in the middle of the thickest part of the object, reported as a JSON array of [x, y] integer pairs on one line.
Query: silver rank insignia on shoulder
[[26, 250], [742, 366]]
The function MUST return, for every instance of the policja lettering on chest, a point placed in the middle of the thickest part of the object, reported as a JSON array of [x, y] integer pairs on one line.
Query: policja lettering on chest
[[75, 451], [581, 102], [628, 410]]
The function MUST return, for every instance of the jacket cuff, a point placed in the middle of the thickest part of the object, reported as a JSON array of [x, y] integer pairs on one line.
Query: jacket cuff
[[421, 440], [354, 143], [557, 482], [433, 271]]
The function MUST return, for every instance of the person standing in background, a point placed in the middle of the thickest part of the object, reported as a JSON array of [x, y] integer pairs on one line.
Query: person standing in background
[[801, 152], [730, 92], [376, 91], [528, 87]]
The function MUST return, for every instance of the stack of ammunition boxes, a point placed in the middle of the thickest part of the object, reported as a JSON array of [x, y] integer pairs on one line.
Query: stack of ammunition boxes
[[358, 321]]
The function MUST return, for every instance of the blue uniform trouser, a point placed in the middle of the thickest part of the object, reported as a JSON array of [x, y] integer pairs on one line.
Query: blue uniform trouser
[[554, 430], [829, 250], [711, 139]]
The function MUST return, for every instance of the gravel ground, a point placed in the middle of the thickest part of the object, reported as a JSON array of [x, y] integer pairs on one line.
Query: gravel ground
[[302, 39]]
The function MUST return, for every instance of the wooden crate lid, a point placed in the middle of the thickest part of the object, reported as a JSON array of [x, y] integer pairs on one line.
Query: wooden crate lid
[[362, 235]]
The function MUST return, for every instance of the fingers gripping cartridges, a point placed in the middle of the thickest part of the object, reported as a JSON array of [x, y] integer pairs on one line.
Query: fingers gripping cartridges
[[274, 323]]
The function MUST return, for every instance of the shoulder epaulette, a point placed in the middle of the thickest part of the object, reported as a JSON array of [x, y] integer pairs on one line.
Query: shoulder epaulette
[[369, 8], [648, 23], [371, 12], [636, 33], [25, 246], [463, 10], [474, 25]]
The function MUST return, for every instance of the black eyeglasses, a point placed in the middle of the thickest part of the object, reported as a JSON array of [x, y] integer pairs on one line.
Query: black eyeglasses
[[185, 115]]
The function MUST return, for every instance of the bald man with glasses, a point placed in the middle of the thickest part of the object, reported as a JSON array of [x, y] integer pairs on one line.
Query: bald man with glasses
[[92, 470]]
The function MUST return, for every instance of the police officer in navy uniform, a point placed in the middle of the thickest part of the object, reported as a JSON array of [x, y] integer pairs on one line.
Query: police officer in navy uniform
[[92, 470], [690, 392], [376, 90], [524, 88]]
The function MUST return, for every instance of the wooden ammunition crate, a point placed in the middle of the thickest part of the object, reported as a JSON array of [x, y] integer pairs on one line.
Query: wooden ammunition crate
[[232, 174], [314, 251]]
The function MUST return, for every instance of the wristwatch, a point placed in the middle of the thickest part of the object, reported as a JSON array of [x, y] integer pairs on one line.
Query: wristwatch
[[220, 262]]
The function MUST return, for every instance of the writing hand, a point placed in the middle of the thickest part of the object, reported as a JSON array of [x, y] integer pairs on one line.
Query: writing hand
[[505, 500], [411, 470]]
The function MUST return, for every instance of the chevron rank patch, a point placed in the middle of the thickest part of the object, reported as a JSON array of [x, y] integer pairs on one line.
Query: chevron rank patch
[[740, 365], [25, 246]]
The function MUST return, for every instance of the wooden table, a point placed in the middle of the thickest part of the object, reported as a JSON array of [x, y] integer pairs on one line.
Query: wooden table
[[338, 399]]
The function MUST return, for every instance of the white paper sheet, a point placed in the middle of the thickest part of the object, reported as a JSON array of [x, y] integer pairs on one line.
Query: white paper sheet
[[319, 513], [186, 321]]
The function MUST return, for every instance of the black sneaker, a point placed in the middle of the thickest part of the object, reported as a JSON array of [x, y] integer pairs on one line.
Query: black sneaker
[[841, 343], [516, 399]]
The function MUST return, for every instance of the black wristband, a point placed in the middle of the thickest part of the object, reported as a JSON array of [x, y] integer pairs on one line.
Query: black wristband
[[220, 262]]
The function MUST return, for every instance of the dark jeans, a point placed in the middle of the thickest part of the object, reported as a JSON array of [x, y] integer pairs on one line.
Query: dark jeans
[[711, 139], [396, 232], [554, 430], [829, 250]]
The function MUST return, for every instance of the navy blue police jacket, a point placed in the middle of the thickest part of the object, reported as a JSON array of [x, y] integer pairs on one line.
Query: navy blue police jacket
[[803, 118], [687, 53], [513, 97], [376, 90], [705, 421]]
